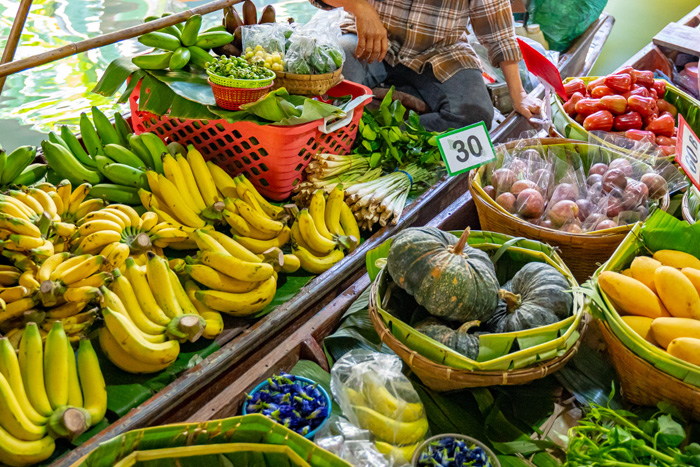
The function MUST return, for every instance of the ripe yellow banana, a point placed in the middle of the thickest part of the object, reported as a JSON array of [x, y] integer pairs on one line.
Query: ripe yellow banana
[[99, 225], [130, 339], [96, 280], [116, 257], [16, 452], [235, 268], [9, 278], [223, 181], [237, 223], [75, 395], [216, 280], [172, 172], [271, 210], [28, 212], [389, 430], [65, 265], [240, 304], [148, 221], [77, 197], [311, 235], [152, 177], [190, 182], [19, 225], [45, 201], [28, 281], [104, 215], [13, 419], [183, 300], [125, 218], [64, 190], [64, 229], [17, 309], [122, 359], [157, 273], [92, 382], [94, 243], [234, 248], [31, 364], [122, 288], [82, 270], [215, 323], [177, 205], [28, 201], [205, 182], [257, 220], [9, 368], [24, 242], [317, 264], [291, 263], [317, 210], [86, 207], [57, 201], [261, 246], [56, 366], [12, 294], [333, 210], [128, 211], [81, 294], [139, 282], [13, 210], [66, 310]]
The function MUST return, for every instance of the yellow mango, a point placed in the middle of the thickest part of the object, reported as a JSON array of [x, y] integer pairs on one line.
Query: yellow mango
[[677, 259], [685, 348], [665, 330], [694, 276], [643, 268], [627, 272], [677, 293], [642, 326], [630, 296]]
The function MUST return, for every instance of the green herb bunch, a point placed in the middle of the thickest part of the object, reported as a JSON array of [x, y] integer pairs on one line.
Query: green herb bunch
[[237, 68]]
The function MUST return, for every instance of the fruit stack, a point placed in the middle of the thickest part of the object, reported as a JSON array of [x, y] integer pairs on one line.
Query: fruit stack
[[46, 392], [17, 168], [659, 298]]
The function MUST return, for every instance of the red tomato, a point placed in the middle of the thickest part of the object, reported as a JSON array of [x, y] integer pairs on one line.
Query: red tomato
[[594, 84], [600, 91], [662, 126], [628, 121], [660, 86], [640, 135], [588, 106], [570, 105], [615, 104], [599, 121], [643, 105], [644, 78], [620, 83], [575, 85], [666, 106]]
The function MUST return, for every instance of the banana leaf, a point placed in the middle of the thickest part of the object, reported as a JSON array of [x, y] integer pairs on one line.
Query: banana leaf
[[247, 430], [661, 231], [534, 345]]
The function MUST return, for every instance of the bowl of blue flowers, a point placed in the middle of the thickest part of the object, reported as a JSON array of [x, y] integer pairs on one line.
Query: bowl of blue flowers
[[298, 403], [454, 450]]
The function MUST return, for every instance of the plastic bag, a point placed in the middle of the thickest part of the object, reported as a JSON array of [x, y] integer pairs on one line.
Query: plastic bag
[[350, 443], [374, 395], [562, 21], [567, 197], [315, 48], [264, 45]]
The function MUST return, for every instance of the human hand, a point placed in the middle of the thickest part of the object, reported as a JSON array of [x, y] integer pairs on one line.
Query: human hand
[[526, 105], [372, 41]]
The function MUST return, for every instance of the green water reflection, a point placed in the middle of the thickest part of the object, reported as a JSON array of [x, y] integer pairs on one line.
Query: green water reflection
[[33, 102]]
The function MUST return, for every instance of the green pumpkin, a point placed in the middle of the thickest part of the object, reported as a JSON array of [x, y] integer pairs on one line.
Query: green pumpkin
[[456, 339], [537, 295], [446, 276]]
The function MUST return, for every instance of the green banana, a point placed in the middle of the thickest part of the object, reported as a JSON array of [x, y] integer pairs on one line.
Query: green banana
[[116, 193], [55, 139], [215, 29], [140, 150], [123, 129], [17, 161], [210, 40], [122, 174], [173, 31], [152, 61], [122, 155], [157, 148], [191, 30], [76, 148], [160, 40], [199, 56], [91, 139], [180, 58], [3, 161], [67, 166], [108, 134], [175, 148], [148, 19], [31, 174]]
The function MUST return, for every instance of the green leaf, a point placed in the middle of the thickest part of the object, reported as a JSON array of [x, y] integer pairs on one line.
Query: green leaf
[[371, 257], [311, 370], [188, 85], [114, 76], [670, 432], [159, 97], [133, 82]]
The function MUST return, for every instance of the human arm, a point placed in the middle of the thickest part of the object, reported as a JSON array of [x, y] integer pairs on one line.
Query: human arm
[[522, 103], [372, 41]]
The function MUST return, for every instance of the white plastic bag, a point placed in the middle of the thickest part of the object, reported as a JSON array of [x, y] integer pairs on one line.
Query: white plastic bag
[[315, 48]]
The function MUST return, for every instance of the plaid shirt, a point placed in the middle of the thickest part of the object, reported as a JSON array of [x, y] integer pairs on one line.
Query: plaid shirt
[[434, 31]]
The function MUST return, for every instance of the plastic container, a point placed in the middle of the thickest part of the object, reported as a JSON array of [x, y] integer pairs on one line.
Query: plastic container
[[689, 77], [310, 434], [467, 439], [272, 157], [531, 31]]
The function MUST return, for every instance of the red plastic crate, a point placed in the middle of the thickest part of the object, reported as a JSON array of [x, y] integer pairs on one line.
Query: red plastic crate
[[272, 157]]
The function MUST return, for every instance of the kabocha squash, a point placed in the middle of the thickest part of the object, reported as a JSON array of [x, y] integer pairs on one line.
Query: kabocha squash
[[446, 276], [456, 339], [537, 295]]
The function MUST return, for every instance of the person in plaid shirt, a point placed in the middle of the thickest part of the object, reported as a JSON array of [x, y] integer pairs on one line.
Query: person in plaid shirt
[[420, 46]]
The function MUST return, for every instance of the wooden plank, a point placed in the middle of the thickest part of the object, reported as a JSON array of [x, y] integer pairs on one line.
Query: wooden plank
[[15, 33], [679, 37]]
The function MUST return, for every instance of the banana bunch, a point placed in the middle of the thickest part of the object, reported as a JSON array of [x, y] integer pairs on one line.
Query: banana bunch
[[17, 168], [179, 45], [148, 313], [46, 392], [238, 282], [321, 232]]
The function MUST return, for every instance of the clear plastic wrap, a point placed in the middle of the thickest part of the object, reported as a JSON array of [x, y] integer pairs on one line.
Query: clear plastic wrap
[[351, 444], [315, 48], [567, 198], [264, 44], [374, 395]]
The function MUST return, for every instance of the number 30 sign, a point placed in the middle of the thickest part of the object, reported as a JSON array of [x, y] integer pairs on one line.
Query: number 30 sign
[[466, 148]]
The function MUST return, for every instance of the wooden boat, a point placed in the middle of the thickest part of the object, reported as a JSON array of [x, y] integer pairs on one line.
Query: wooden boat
[[244, 343]]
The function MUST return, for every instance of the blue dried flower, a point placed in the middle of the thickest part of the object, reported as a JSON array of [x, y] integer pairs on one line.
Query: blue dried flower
[[449, 452]]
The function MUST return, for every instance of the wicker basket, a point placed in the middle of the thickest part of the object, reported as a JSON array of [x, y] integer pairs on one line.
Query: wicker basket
[[231, 98], [583, 253], [643, 383], [308, 85]]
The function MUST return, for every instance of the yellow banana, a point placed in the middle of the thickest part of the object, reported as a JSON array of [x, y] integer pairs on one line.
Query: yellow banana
[[389, 430], [139, 282], [117, 256], [177, 205], [92, 382], [157, 273], [44, 251], [183, 300], [19, 225], [28, 281], [130, 339], [86, 207], [82, 270], [13, 211], [9, 368], [64, 229], [125, 218], [240, 304], [171, 170], [31, 364], [234, 248], [123, 289], [96, 280], [12, 294], [317, 210], [190, 182], [26, 210], [45, 201], [75, 394], [66, 310], [64, 190], [16, 309], [122, 359], [216, 280], [65, 265], [99, 225], [333, 210], [28, 201], [215, 323], [317, 264], [103, 215], [261, 246], [153, 183], [291, 263], [248, 197], [134, 219], [9, 278], [223, 181], [271, 210], [237, 223], [57, 201], [94, 242], [56, 366], [148, 221], [235, 268], [311, 235], [13, 419], [81, 294], [257, 220], [205, 182], [16, 452], [77, 197], [24, 242]]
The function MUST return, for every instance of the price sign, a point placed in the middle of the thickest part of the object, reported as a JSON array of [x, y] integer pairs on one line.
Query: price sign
[[466, 148], [688, 151]]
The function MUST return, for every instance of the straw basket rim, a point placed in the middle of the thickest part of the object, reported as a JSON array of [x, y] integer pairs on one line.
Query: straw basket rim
[[308, 85]]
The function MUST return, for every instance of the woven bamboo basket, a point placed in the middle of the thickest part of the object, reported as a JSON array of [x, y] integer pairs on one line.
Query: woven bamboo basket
[[443, 369], [308, 85], [644, 384], [583, 253]]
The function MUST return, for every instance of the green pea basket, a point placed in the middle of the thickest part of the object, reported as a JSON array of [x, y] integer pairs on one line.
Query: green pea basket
[[242, 83], [540, 351]]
